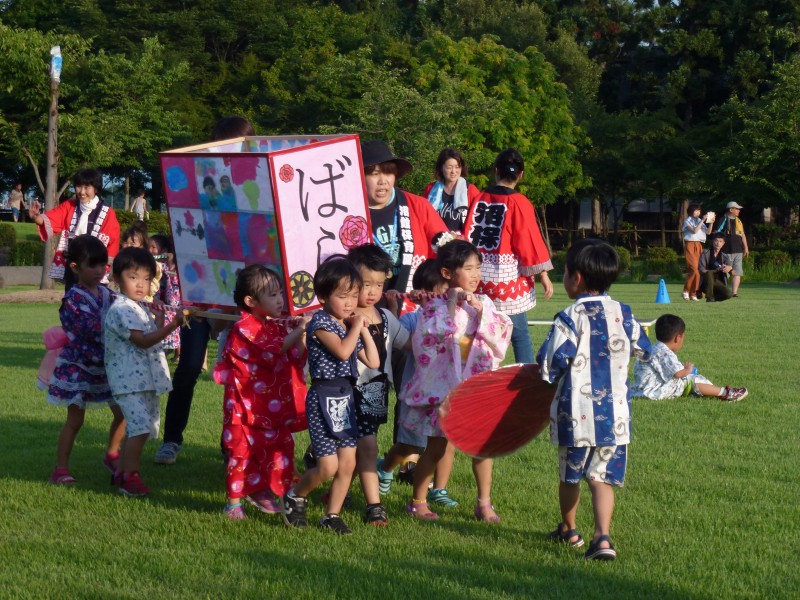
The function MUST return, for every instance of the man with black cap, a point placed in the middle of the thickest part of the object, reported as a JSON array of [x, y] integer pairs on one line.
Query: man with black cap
[[732, 230]]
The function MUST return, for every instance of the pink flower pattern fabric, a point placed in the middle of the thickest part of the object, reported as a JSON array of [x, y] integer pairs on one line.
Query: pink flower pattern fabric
[[170, 295], [437, 344], [259, 409]]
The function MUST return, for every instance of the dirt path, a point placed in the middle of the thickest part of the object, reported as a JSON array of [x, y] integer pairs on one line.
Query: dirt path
[[32, 296]]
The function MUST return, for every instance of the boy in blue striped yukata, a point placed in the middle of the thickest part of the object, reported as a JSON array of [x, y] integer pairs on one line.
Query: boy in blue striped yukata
[[587, 351]]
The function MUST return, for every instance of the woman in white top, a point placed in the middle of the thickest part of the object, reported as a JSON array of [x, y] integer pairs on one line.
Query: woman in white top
[[695, 229]]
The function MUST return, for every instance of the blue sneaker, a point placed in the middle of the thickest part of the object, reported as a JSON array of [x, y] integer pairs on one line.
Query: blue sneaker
[[384, 479], [440, 496]]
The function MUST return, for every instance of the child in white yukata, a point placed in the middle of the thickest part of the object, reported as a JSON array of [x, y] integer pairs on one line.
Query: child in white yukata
[[587, 351], [135, 363], [663, 376]]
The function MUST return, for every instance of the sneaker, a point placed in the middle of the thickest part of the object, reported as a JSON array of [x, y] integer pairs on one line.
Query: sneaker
[[294, 511], [266, 502], [131, 484], [685, 295], [384, 479], [694, 298], [735, 296], [235, 512], [734, 394], [440, 496], [376, 515], [168, 453], [335, 524]]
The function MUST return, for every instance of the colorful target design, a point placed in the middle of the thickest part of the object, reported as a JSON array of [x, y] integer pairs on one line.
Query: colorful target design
[[301, 285]]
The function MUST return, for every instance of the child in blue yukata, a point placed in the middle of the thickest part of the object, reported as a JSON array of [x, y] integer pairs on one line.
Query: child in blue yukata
[[337, 338], [587, 351], [663, 376]]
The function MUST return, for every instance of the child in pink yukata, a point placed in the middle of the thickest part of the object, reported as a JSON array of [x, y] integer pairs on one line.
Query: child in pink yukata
[[260, 357], [79, 380], [169, 293], [454, 339]]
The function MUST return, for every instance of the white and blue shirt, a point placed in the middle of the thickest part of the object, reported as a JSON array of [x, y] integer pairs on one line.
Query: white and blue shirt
[[587, 350]]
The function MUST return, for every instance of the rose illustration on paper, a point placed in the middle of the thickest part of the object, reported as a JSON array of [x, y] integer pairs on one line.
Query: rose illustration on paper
[[354, 232], [286, 173]]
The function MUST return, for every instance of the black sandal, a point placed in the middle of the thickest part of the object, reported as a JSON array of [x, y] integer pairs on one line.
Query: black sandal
[[376, 515], [596, 553], [559, 536]]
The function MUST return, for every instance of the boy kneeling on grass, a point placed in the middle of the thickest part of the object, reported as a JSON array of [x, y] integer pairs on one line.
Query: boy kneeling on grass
[[663, 376]]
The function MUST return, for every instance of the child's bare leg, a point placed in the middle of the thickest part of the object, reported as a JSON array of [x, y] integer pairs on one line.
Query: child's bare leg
[[709, 390], [342, 480], [397, 455], [66, 439], [423, 473], [603, 507], [482, 469], [116, 432], [445, 467], [313, 478], [366, 459], [132, 453], [569, 496]]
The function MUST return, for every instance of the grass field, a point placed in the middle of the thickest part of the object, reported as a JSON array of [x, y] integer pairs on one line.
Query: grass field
[[710, 507]]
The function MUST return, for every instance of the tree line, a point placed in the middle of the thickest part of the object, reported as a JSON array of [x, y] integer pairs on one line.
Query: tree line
[[613, 100]]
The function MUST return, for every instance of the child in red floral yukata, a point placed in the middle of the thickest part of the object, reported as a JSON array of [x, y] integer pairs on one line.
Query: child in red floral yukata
[[262, 357]]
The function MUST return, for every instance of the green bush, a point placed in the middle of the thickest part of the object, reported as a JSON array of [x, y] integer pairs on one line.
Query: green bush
[[658, 253], [28, 254], [157, 222], [558, 259], [766, 234], [624, 258], [8, 235], [776, 258]]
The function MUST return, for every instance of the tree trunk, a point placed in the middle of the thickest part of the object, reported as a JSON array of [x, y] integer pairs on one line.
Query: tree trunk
[[661, 221], [51, 182], [597, 217], [543, 227], [127, 191]]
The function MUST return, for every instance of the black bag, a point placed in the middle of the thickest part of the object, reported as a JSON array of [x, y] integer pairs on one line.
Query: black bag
[[372, 398], [338, 406]]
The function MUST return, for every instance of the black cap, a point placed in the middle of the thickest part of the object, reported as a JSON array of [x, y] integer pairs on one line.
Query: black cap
[[375, 152]]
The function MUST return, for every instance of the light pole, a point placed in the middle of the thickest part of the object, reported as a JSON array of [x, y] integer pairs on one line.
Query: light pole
[[51, 182]]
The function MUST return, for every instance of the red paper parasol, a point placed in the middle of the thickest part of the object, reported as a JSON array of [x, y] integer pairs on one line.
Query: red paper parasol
[[497, 412]]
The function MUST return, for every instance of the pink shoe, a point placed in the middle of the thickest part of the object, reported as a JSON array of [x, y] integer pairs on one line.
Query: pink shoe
[[235, 512], [110, 461], [61, 477], [413, 510], [131, 484], [480, 513], [266, 502]]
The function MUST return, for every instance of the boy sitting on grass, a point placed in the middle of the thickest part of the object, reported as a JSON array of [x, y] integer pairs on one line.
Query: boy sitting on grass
[[663, 376]]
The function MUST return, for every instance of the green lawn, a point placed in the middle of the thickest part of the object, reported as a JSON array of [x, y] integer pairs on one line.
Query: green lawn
[[710, 509]]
